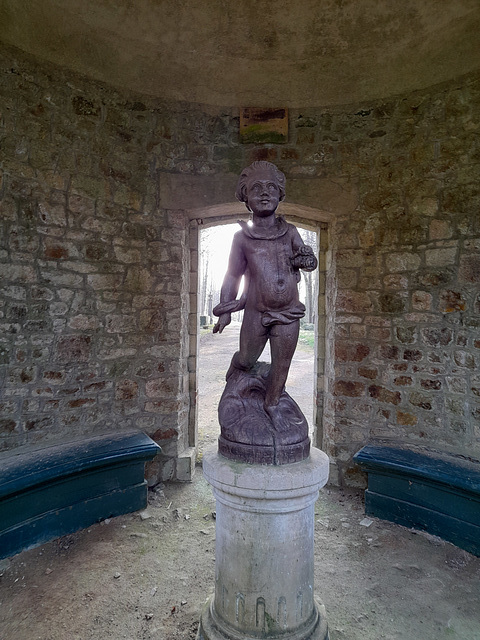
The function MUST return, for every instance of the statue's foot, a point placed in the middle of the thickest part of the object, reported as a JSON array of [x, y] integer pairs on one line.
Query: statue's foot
[[280, 421]]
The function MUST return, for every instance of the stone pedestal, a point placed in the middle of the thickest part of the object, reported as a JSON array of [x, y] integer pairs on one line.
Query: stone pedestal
[[264, 550]]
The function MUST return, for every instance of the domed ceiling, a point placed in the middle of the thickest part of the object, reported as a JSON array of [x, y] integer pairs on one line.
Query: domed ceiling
[[253, 52]]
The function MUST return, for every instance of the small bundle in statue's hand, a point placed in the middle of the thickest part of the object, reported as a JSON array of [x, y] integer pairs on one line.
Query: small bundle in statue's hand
[[304, 259]]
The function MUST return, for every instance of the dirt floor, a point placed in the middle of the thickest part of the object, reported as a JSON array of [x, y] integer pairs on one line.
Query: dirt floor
[[146, 575]]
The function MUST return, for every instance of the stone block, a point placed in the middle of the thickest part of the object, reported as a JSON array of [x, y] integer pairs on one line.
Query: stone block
[[353, 302], [464, 359], [441, 257], [469, 271], [73, 349], [407, 261], [412, 355], [384, 395], [351, 352], [420, 400], [451, 301], [54, 214], [126, 390], [348, 388], [366, 372], [185, 465], [421, 301], [440, 230]]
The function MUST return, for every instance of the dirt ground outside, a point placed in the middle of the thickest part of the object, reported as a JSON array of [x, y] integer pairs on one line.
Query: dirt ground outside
[[146, 576]]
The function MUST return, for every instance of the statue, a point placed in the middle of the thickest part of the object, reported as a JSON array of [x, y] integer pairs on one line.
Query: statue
[[260, 422]]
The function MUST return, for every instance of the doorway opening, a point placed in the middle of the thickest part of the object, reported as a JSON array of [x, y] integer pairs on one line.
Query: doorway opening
[[216, 350]]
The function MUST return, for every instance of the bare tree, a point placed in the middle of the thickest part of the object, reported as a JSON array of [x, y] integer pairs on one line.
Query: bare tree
[[310, 238]]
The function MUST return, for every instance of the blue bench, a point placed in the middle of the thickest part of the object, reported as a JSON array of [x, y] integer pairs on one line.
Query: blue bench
[[423, 489], [54, 490]]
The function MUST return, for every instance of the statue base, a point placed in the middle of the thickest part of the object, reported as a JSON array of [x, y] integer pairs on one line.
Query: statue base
[[273, 454], [251, 434], [264, 582]]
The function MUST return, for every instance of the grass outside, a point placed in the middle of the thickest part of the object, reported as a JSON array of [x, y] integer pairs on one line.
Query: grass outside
[[307, 338]]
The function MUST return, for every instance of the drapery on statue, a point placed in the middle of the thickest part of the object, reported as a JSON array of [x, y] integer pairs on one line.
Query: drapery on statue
[[259, 421]]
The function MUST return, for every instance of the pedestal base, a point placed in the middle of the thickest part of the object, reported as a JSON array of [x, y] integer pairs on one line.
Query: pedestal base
[[212, 629], [264, 550]]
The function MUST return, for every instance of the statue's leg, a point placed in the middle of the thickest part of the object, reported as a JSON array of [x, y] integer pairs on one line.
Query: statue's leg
[[283, 341], [253, 338]]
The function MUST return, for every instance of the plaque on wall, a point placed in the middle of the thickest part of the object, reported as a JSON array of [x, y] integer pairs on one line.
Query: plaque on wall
[[263, 126]]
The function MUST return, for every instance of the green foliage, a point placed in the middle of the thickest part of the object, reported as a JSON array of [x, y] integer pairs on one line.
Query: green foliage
[[307, 339]]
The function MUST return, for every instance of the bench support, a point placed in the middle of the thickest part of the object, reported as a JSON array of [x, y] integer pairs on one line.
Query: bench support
[[52, 491], [423, 489]]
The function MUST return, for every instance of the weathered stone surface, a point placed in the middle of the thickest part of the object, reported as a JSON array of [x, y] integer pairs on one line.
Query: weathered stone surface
[[351, 352], [384, 395], [407, 419], [349, 388], [402, 262], [354, 302], [451, 301]]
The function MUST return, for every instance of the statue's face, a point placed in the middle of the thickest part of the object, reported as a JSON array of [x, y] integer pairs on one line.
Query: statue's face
[[263, 194]]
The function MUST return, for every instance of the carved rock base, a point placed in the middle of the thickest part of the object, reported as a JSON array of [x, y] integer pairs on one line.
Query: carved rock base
[[249, 433], [264, 586]]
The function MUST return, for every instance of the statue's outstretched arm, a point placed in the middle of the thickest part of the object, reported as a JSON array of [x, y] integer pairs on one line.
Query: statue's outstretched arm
[[237, 266]]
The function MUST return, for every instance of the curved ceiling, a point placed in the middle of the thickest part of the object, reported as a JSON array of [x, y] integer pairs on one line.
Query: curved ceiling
[[253, 52]]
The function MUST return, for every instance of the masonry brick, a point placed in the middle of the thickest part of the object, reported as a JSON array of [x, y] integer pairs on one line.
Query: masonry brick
[[469, 270], [437, 336], [464, 359], [389, 352], [441, 257], [351, 352], [391, 303], [406, 419], [366, 372], [402, 262], [440, 230], [421, 301], [348, 388], [412, 355], [126, 390], [354, 302], [435, 385], [73, 349], [384, 395], [451, 301], [420, 400]]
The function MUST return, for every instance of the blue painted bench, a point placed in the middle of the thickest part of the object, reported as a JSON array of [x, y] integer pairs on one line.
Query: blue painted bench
[[55, 490], [423, 489]]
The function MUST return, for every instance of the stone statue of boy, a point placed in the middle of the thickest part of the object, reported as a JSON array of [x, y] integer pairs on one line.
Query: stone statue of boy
[[269, 253]]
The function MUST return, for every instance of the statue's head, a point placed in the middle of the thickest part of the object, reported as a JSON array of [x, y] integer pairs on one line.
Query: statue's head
[[260, 170]]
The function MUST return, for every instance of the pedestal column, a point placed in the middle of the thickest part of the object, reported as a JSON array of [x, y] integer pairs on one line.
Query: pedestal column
[[264, 584]]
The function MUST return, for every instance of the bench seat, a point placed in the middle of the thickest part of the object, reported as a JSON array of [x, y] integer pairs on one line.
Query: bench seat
[[50, 491], [424, 489]]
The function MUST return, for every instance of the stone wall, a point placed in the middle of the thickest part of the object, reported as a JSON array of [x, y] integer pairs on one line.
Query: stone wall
[[95, 260], [405, 340], [94, 273]]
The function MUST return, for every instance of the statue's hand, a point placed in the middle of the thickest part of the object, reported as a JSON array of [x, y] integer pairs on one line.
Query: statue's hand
[[304, 259], [223, 320]]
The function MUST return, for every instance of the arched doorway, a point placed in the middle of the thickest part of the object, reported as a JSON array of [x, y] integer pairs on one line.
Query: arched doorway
[[302, 216]]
